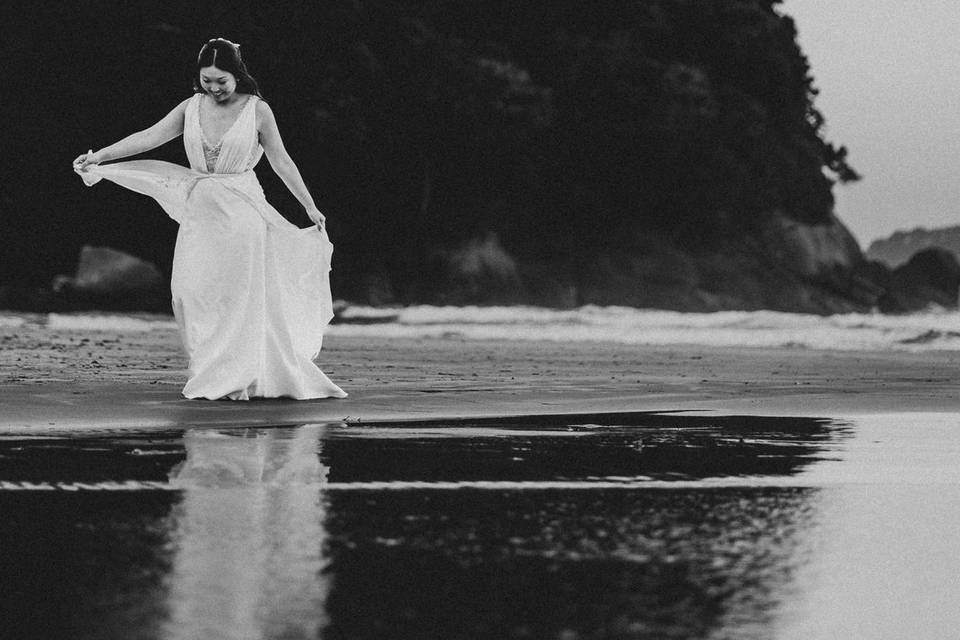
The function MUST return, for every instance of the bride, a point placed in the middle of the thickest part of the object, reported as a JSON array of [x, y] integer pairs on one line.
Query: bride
[[251, 291]]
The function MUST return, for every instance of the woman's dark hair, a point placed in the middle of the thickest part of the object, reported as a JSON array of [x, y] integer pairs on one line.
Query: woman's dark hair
[[225, 55]]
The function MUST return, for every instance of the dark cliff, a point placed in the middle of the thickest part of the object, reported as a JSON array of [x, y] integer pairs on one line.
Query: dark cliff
[[663, 153]]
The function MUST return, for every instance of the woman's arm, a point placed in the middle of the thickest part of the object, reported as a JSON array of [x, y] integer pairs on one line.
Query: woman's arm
[[163, 131], [282, 163]]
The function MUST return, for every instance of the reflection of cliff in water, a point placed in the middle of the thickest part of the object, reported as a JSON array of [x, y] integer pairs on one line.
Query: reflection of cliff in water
[[539, 564], [247, 538], [696, 562]]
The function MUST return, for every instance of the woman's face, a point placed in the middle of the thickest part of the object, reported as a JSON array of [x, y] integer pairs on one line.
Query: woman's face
[[218, 83]]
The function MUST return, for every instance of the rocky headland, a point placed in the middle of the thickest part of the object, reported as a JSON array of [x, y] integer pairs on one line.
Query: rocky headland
[[665, 154]]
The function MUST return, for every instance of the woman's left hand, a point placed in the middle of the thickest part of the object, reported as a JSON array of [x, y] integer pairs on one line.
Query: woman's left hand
[[85, 159], [318, 218]]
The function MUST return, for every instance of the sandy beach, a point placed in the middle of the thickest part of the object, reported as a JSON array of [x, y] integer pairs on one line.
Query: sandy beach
[[60, 379], [819, 520]]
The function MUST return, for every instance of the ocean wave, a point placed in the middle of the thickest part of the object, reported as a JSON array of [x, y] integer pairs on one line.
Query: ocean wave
[[625, 325], [11, 322], [934, 330], [107, 322]]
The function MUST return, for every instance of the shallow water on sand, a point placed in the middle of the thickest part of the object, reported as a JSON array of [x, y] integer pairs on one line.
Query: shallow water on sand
[[604, 526]]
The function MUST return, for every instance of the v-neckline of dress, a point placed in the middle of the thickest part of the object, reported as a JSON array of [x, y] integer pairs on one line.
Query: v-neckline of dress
[[203, 136]]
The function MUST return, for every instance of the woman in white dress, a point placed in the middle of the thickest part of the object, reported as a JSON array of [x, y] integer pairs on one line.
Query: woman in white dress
[[251, 291]]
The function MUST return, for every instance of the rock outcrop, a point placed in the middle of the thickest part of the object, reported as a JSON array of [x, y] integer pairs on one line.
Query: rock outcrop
[[813, 251], [790, 266], [480, 270], [110, 279], [930, 278], [902, 245]]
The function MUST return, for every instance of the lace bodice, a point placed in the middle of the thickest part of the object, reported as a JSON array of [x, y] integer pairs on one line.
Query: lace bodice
[[210, 154]]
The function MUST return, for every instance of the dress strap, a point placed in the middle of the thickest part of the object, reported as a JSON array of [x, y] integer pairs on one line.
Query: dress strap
[[192, 143]]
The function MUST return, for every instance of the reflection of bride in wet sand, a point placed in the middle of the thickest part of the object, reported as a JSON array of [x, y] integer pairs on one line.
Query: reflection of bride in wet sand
[[247, 539]]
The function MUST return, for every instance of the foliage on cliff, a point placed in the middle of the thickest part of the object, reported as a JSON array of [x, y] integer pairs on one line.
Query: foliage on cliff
[[549, 132]]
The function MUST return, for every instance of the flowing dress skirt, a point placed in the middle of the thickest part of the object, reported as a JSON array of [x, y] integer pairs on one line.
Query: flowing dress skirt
[[251, 291]]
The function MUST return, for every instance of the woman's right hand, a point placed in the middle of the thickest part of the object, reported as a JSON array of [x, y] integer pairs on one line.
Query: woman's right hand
[[316, 217], [84, 159]]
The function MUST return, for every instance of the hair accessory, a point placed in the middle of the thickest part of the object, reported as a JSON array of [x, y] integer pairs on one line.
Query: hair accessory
[[235, 45]]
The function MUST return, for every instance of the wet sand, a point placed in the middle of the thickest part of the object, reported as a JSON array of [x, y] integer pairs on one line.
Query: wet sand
[[74, 379]]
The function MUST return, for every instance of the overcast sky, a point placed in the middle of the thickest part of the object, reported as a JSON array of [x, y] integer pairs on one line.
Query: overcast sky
[[889, 79]]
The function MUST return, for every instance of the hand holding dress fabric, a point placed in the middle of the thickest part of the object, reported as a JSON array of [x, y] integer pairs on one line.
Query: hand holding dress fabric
[[84, 159], [318, 218]]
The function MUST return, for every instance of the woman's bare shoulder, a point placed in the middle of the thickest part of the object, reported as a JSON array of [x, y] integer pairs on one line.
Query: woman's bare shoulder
[[264, 115], [263, 108]]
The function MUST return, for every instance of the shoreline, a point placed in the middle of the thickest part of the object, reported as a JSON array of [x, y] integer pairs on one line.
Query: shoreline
[[72, 379]]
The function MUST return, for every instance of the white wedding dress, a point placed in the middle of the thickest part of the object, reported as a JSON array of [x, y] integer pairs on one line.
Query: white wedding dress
[[251, 291]]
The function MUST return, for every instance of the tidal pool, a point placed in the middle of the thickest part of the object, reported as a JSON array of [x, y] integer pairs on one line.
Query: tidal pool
[[561, 527]]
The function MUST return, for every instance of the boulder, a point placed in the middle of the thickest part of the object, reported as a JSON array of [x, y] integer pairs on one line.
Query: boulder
[[106, 271], [811, 250], [110, 279], [931, 278], [481, 270], [897, 249], [828, 262]]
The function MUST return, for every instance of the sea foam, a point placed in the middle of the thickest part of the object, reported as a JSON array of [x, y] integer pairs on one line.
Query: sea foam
[[625, 325], [931, 330], [108, 322]]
